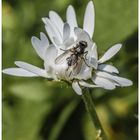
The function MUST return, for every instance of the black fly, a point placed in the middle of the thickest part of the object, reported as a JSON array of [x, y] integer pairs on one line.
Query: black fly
[[74, 56]]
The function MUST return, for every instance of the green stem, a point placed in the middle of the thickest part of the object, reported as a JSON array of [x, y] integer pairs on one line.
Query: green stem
[[89, 103]]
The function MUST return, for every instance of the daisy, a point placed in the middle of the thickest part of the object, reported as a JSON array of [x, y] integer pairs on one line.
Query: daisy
[[65, 36]]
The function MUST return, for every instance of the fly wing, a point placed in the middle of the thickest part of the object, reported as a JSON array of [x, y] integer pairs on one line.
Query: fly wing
[[77, 67], [61, 58]]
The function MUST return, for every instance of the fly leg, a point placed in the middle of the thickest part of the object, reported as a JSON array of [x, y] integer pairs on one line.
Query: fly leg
[[68, 58], [70, 73], [85, 61], [85, 58], [62, 49], [86, 55], [67, 50], [68, 68], [67, 62]]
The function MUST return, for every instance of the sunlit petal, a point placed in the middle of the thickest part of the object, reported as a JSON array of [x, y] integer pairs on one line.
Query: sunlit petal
[[85, 84], [110, 53], [57, 21], [66, 32], [19, 72], [108, 68], [32, 69], [89, 19], [71, 19], [52, 30], [93, 56], [120, 80], [40, 45], [104, 83], [76, 87]]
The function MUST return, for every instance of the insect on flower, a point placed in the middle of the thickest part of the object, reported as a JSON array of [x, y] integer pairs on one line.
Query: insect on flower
[[74, 56], [71, 55]]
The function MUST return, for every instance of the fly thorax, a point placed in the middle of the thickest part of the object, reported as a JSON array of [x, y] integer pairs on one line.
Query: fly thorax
[[78, 50]]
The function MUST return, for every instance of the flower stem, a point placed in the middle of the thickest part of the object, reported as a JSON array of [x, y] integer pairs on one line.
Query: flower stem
[[90, 107]]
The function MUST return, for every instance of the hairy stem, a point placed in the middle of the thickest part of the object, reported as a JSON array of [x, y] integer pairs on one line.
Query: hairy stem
[[90, 107]]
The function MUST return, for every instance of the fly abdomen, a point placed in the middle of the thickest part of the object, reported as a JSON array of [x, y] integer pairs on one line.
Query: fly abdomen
[[72, 60]]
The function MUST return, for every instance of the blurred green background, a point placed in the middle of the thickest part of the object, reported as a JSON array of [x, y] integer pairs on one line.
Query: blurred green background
[[37, 109]]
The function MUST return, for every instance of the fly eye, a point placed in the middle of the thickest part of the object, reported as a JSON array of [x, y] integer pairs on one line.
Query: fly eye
[[83, 43]]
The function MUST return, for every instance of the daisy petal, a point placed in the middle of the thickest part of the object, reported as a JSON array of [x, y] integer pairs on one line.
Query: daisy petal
[[89, 19], [40, 45], [123, 81], [110, 53], [44, 40], [93, 63], [93, 56], [56, 42], [76, 87], [32, 69], [71, 19], [19, 72], [120, 80], [85, 84], [108, 68], [51, 34], [51, 54], [52, 30], [94, 51], [66, 32], [85, 72], [68, 42], [77, 31], [58, 22], [104, 83]]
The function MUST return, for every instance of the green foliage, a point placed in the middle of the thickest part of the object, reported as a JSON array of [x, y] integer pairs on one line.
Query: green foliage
[[37, 109], [115, 21]]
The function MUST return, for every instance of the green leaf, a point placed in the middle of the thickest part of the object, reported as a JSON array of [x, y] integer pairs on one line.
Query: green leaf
[[114, 21], [23, 120]]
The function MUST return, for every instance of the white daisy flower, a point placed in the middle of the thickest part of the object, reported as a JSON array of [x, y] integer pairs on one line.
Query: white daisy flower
[[72, 56]]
